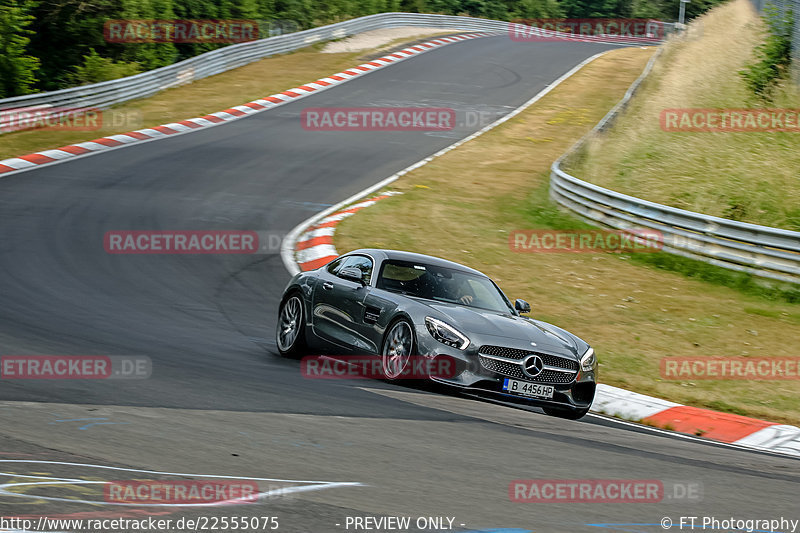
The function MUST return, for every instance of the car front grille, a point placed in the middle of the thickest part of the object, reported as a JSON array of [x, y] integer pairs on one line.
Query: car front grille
[[513, 369], [516, 353]]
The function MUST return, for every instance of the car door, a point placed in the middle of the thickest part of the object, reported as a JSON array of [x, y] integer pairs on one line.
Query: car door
[[338, 304]]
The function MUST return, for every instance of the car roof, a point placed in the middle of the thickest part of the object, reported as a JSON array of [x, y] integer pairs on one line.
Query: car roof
[[415, 258]]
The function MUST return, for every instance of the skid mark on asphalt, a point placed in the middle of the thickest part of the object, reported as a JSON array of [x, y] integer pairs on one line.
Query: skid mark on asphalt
[[90, 424], [83, 483], [308, 206]]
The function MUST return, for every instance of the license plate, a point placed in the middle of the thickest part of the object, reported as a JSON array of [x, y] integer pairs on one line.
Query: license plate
[[523, 388]]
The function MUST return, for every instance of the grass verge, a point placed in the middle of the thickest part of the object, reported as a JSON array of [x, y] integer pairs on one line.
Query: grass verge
[[463, 205]]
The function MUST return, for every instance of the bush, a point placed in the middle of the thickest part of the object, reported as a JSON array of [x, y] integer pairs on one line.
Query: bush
[[773, 57], [96, 69]]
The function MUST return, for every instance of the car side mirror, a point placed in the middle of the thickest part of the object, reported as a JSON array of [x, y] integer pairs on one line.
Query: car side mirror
[[522, 306], [352, 274]]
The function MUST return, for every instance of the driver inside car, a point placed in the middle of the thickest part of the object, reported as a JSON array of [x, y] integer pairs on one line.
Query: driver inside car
[[466, 294], [457, 290]]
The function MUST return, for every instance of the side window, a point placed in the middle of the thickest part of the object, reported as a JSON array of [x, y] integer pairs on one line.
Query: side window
[[333, 267], [361, 262]]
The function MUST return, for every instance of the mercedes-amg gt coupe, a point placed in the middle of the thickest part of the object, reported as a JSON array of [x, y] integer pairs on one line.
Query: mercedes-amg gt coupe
[[395, 306]]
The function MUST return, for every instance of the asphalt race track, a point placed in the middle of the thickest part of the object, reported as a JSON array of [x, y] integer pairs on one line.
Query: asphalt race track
[[221, 402]]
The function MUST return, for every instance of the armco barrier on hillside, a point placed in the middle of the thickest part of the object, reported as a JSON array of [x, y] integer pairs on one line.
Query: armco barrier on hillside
[[760, 250]]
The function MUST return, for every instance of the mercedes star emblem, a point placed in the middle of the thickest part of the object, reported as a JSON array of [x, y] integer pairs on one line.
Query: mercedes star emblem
[[532, 365]]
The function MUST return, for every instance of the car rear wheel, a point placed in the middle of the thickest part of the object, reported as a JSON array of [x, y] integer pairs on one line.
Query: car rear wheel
[[290, 335], [569, 414], [398, 346]]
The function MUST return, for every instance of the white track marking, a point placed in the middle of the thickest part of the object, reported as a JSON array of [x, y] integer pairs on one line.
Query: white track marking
[[51, 481], [627, 404], [121, 469], [321, 232], [56, 154], [317, 252], [121, 137], [258, 496], [18, 163]]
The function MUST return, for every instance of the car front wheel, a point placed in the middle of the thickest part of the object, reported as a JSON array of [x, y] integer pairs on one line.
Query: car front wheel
[[398, 347]]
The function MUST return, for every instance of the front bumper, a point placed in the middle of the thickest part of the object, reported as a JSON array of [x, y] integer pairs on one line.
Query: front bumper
[[479, 375]]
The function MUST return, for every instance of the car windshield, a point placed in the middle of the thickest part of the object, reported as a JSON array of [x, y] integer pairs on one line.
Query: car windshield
[[442, 284]]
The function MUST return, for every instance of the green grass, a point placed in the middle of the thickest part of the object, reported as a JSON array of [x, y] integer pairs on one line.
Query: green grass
[[740, 281], [539, 212]]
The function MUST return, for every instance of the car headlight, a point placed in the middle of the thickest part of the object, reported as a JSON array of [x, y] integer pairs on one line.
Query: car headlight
[[588, 360], [446, 334]]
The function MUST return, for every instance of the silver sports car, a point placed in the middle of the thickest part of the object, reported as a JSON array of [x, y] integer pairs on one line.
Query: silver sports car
[[396, 306]]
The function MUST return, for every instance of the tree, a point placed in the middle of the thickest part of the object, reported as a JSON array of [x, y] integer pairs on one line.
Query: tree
[[65, 30], [148, 55], [17, 67], [533, 9]]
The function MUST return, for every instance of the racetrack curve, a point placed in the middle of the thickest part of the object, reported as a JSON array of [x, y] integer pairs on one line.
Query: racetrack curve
[[221, 402]]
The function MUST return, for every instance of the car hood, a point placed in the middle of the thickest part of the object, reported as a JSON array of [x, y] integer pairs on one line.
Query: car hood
[[475, 322]]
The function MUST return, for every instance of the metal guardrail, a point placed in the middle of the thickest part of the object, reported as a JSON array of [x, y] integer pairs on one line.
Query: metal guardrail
[[760, 250], [109, 93]]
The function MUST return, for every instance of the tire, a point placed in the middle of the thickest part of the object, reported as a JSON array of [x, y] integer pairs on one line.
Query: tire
[[397, 349], [569, 414], [290, 331]]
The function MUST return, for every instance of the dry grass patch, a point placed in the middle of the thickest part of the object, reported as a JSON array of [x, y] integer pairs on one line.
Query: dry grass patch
[[383, 39], [463, 206]]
